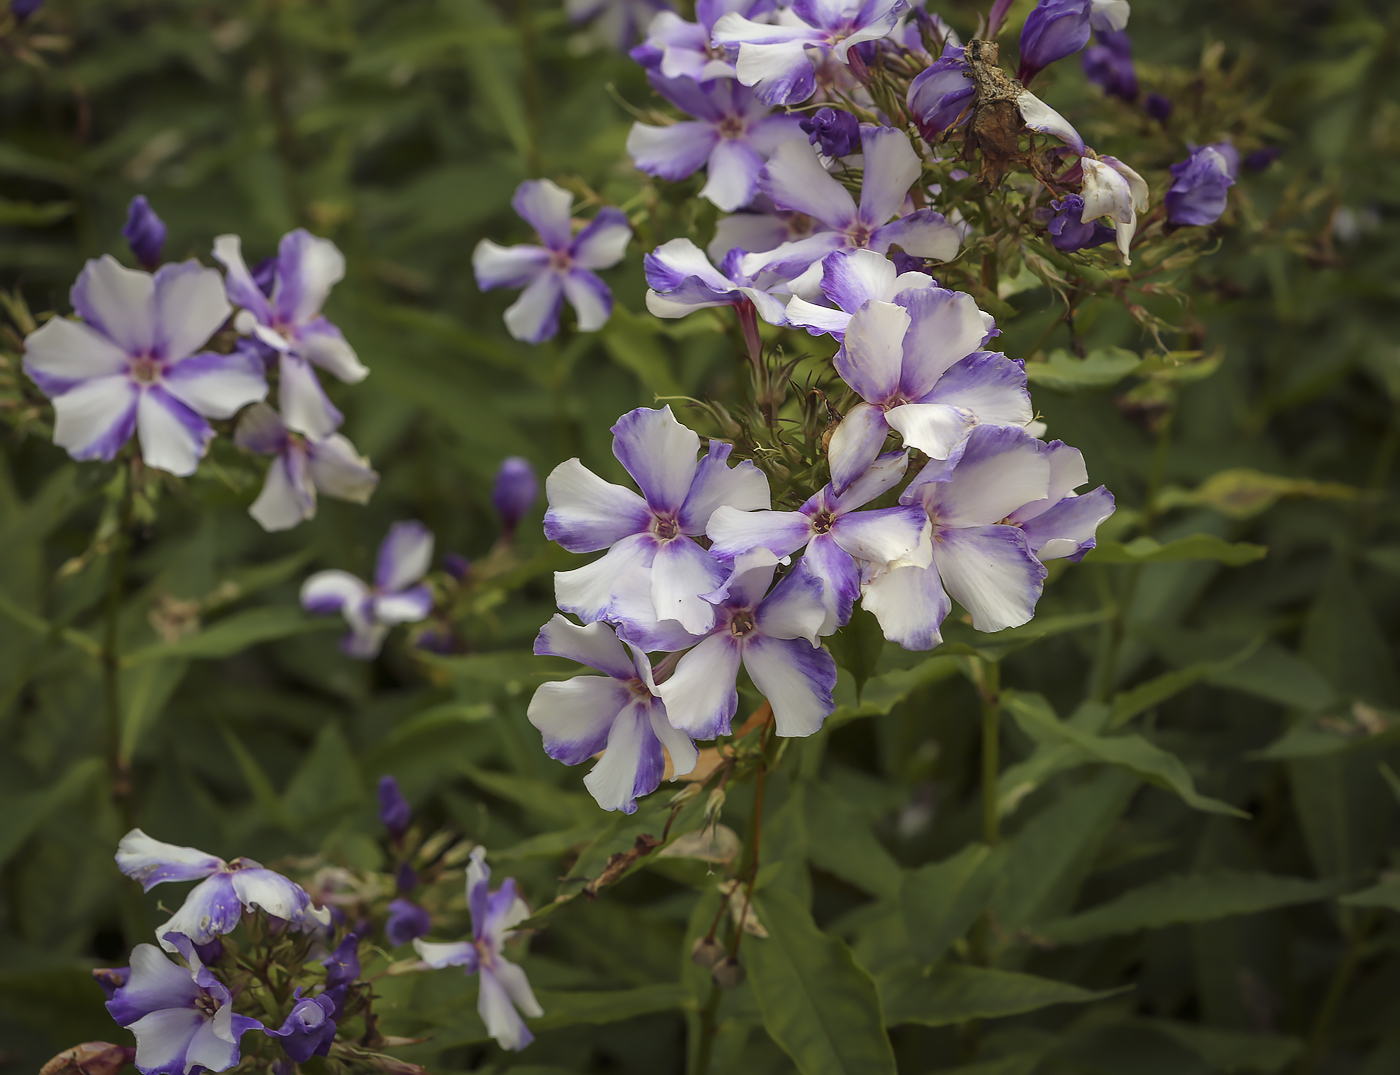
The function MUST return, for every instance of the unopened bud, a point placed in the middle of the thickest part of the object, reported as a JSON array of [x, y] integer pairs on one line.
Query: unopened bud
[[714, 805], [90, 1058], [680, 798], [729, 973], [706, 952], [515, 491], [144, 232]]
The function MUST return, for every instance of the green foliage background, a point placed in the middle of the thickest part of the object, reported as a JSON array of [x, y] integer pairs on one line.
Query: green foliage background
[[1194, 874]]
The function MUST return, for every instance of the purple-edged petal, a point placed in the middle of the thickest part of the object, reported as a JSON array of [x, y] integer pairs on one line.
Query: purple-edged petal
[[701, 696], [305, 406], [856, 444], [307, 268], [452, 954], [794, 609], [780, 73], [94, 419], [407, 606], [748, 581], [780, 532], [1067, 529], [586, 513], [934, 428], [991, 572], [817, 320], [987, 385], [732, 175], [672, 152], [155, 984], [884, 535], [944, 327], [320, 342], [873, 353], [756, 232], [633, 608], [260, 429], [216, 385], [173, 437], [507, 266], [594, 645], [603, 241], [851, 278], [1039, 116], [910, 605], [534, 316], [891, 167], [190, 305], [242, 289], [62, 354], [796, 678], [502, 1021], [118, 302], [882, 476], [587, 591], [632, 763], [659, 453], [268, 890], [575, 716], [405, 555], [328, 592], [1001, 469], [833, 567], [795, 180], [338, 470], [922, 234], [153, 862], [680, 573], [545, 206], [591, 299], [288, 497], [211, 909], [716, 484], [790, 260]]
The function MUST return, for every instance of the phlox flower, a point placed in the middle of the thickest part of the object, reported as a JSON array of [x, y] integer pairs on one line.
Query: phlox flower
[[850, 279], [226, 889], [1068, 230], [287, 321], [918, 365], [133, 364], [1109, 64], [654, 531], [302, 467], [310, 1026], [794, 179], [681, 279], [680, 49], [616, 22], [505, 991], [940, 96], [1059, 28], [835, 131], [731, 136], [619, 713], [561, 268], [397, 596], [1064, 523], [774, 58], [1197, 194], [762, 226], [182, 1017], [1112, 189]]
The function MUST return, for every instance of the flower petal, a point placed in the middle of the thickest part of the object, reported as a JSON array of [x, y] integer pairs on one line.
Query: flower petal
[[701, 695], [732, 175], [211, 909], [873, 353], [587, 591], [173, 437], [163, 1039], [834, 569], [882, 476], [922, 234], [659, 453], [631, 764], [328, 592], [680, 573], [61, 354], [190, 305], [856, 444], [1067, 529], [279, 896], [674, 152], [94, 419], [451, 954], [493, 1004], [155, 983], [851, 278], [405, 555], [795, 180], [891, 167], [320, 342], [305, 406], [338, 470], [910, 605], [716, 484], [1039, 116], [288, 497], [545, 206], [1001, 469], [118, 302], [586, 513], [781, 532], [242, 289], [216, 385], [534, 316], [991, 572], [260, 429], [944, 327], [507, 266], [987, 385], [881, 536], [407, 606], [934, 428], [153, 862], [591, 299], [633, 609], [594, 645], [603, 241], [575, 716], [794, 608], [796, 678], [307, 268]]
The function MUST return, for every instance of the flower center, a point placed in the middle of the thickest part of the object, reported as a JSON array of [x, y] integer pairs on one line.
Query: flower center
[[741, 624], [665, 527], [822, 523], [560, 260], [731, 127], [860, 236], [206, 1005], [637, 687], [145, 370]]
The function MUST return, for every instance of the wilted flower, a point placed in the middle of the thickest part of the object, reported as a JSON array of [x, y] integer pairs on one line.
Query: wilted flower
[[1068, 229], [940, 97], [310, 1027], [1112, 189], [1197, 195], [144, 232], [836, 131]]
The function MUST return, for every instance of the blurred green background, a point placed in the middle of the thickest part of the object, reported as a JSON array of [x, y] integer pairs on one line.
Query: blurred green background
[[400, 129]]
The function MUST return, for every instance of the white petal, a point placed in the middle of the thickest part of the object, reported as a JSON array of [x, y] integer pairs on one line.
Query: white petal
[[153, 862], [118, 302], [575, 716], [680, 573], [594, 645], [631, 764], [96, 418], [331, 591], [283, 503], [190, 305], [991, 572], [797, 680], [173, 437], [587, 513], [164, 1036], [1002, 469], [910, 605], [62, 352], [338, 470], [502, 1021], [701, 696], [588, 591]]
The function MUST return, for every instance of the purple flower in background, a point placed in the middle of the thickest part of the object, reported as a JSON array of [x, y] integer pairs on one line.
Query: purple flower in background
[[405, 877], [1158, 107], [343, 965], [1112, 189], [834, 533], [394, 812], [144, 232], [655, 531], [795, 180], [918, 365], [772, 634], [310, 1027], [1063, 525], [560, 269], [226, 889], [505, 991], [773, 58], [1260, 159], [1068, 230], [836, 131], [940, 97], [850, 279], [1060, 28], [182, 1017], [130, 366], [682, 280], [397, 596], [302, 467], [1197, 194], [986, 564], [25, 9], [288, 322], [618, 713], [1109, 64], [406, 922], [680, 49], [617, 22], [731, 136], [514, 491]]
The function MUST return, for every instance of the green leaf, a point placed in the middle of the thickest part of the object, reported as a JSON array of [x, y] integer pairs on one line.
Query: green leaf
[[1199, 897], [940, 901], [1242, 493], [146, 691], [33, 215], [1101, 368], [1322, 736], [818, 1004], [954, 993], [25, 813], [1146, 550], [962, 639], [1128, 704], [1385, 894], [235, 633], [634, 344], [845, 845], [327, 782], [857, 647], [1131, 752], [1228, 1050], [552, 804], [265, 796], [607, 1006]]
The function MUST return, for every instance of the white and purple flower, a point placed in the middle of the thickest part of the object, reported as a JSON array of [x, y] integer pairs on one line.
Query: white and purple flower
[[310, 1026], [681, 279], [397, 596], [1112, 189], [731, 136], [655, 531], [918, 365], [850, 279], [505, 991], [286, 320], [680, 49], [226, 889], [134, 365], [561, 268], [182, 1017], [302, 467], [1063, 525], [619, 713]]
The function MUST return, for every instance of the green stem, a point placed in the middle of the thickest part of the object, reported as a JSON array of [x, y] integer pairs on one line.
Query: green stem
[[709, 1018], [991, 750], [1346, 970], [111, 654]]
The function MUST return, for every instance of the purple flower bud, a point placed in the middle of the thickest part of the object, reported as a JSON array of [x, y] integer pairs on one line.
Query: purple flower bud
[[24, 9], [1197, 194], [394, 810], [1054, 30], [264, 274], [1263, 157], [144, 232], [406, 878], [515, 491], [310, 1028], [1067, 229], [406, 921], [939, 96], [343, 965], [904, 263], [456, 565], [837, 132], [1158, 107], [1109, 63]]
